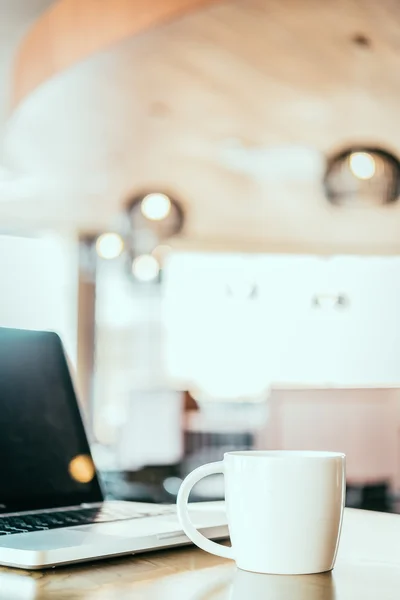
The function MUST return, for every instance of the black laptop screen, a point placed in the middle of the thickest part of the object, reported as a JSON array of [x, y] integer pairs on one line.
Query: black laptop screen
[[44, 454]]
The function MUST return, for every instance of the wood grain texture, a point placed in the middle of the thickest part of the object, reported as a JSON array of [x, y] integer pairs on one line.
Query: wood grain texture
[[210, 107], [71, 30], [368, 567]]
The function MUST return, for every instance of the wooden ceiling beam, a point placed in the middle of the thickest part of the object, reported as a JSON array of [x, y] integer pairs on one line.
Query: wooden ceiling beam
[[71, 30]]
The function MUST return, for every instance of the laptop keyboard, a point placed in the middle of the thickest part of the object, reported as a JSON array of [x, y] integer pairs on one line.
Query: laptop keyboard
[[26, 523]]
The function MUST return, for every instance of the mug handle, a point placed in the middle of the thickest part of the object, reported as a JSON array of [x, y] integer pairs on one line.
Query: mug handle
[[183, 514]]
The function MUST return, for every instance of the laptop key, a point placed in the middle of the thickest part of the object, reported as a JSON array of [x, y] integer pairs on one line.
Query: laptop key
[[29, 523]]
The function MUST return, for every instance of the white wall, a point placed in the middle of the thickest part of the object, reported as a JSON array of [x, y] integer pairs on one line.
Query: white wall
[[38, 286], [129, 338], [233, 345]]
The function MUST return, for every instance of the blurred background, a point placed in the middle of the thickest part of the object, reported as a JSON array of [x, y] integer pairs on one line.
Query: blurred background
[[202, 198]]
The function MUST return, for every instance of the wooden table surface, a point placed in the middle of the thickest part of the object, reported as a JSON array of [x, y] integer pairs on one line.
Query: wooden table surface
[[368, 568]]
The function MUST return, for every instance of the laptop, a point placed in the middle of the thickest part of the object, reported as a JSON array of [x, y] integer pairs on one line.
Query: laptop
[[52, 508]]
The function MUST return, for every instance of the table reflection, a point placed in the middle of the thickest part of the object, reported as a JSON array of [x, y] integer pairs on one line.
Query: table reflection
[[239, 584]]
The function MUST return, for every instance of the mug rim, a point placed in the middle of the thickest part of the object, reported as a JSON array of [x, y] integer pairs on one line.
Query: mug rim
[[282, 454]]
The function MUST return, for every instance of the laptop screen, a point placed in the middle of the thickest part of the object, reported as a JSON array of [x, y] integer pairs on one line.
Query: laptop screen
[[45, 458]]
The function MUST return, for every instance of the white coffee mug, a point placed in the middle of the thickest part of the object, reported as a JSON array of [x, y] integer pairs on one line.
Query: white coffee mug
[[284, 510]]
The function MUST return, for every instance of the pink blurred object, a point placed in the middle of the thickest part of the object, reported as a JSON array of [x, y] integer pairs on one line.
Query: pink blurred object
[[362, 423]]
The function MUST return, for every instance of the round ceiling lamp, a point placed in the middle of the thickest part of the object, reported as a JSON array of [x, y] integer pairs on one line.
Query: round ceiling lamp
[[109, 245], [155, 207], [362, 165], [145, 268], [153, 218], [362, 176]]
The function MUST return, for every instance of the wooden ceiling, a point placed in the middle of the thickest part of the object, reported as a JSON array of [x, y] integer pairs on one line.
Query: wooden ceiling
[[71, 30], [232, 108], [16, 17]]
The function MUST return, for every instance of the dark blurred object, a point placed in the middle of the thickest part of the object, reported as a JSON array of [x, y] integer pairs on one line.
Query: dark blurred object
[[160, 484], [189, 403], [362, 41], [144, 485], [362, 176], [203, 447], [370, 497]]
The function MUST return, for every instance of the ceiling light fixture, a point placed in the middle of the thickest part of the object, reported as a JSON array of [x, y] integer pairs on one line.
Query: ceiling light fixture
[[156, 206], [109, 245], [362, 177], [145, 268], [362, 165]]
